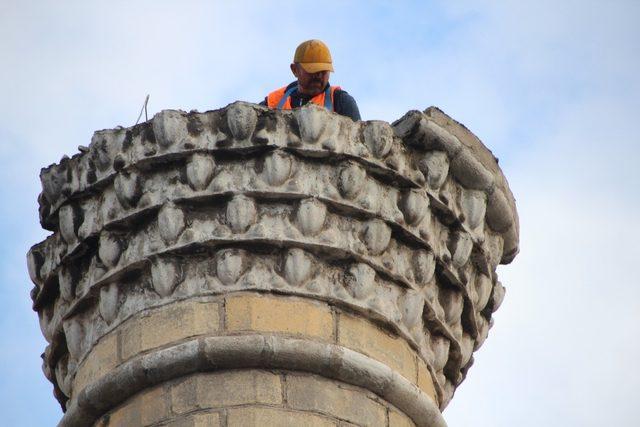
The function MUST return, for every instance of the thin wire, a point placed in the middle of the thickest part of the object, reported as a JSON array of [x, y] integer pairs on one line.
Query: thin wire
[[144, 108]]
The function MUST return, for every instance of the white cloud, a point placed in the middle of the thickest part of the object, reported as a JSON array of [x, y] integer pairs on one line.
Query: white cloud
[[564, 342], [563, 348]]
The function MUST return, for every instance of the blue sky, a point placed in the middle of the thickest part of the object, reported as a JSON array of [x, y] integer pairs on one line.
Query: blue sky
[[551, 87]]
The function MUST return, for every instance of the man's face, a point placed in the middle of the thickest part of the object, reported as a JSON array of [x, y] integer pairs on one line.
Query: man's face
[[310, 83]]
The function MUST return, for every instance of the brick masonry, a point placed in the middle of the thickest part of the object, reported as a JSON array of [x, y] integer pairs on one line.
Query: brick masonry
[[255, 398], [252, 312]]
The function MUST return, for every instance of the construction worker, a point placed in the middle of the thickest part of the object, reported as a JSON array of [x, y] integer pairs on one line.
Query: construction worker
[[311, 66]]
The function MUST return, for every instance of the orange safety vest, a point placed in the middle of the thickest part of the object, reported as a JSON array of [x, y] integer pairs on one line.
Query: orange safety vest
[[281, 98]]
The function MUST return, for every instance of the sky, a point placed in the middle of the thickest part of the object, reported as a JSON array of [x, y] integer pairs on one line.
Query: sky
[[551, 87]]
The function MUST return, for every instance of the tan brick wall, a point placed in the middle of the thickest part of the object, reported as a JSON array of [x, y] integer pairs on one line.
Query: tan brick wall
[[159, 327], [425, 382], [128, 415], [363, 336], [313, 393], [165, 325], [252, 396], [227, 388], [397, 419], [208, 419], [252, 312], [259, 417], [102, 359], [145, 408], [154, 405]]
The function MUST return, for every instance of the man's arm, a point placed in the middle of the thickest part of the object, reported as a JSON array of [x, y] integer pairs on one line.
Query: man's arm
[[346, 105]]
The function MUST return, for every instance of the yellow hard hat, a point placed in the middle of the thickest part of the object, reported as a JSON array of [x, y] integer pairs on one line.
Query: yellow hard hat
[[313, 56]]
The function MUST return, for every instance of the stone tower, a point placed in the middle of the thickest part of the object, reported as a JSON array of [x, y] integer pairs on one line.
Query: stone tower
[[250, 267]]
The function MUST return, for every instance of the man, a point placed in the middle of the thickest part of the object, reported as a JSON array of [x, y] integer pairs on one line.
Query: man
[[311, 66]]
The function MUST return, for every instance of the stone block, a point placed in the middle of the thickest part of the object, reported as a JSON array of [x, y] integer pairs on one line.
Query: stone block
[[102, 358], [425, 382], [398, 419], [146, 408], [153, 405], [258, 417], [276, 314], [168, 324], [129, 414], [226, 388], [313, 393], [207, 419], [184, 396], [361, 335]]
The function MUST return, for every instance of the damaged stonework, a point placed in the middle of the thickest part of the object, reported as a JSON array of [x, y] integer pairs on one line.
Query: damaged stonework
[[400, 225]]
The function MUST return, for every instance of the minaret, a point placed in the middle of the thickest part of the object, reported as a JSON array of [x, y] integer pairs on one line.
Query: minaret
[[252, 267]]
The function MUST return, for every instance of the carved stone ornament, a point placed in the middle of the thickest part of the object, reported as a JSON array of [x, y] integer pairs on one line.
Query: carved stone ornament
[[396, 229]]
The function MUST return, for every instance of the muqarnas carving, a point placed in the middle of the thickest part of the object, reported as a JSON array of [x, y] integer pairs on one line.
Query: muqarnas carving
[[404, 223]]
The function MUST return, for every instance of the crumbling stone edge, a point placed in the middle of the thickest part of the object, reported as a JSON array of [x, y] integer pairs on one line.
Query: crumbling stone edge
[[250, 351]]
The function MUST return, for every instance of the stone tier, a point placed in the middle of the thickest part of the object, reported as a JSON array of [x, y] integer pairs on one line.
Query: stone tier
[[397, 227]]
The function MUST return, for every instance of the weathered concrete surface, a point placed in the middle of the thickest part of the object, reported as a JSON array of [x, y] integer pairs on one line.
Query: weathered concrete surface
[[246, 238]]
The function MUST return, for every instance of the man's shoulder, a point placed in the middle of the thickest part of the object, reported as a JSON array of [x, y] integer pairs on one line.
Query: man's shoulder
[[345, 104], [339, 92]]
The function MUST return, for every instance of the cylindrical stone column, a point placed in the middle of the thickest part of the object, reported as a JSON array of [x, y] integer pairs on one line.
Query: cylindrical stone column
[[251, 267]]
